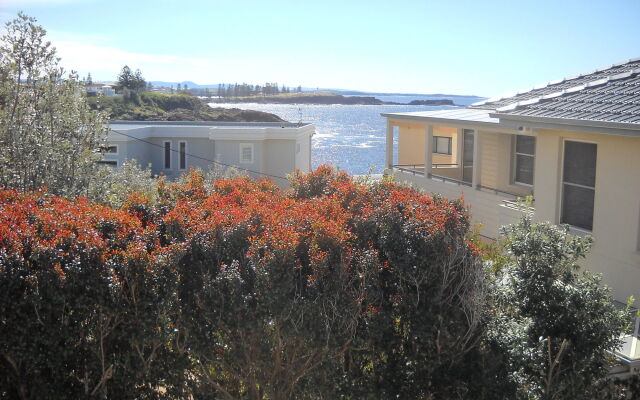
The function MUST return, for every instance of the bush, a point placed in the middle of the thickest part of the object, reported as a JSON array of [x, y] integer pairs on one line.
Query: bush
[[238, 290], [554, 325]]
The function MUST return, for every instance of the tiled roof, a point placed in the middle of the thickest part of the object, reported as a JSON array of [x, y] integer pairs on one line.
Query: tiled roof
[[615, 98], [458, 114], [558, 86]]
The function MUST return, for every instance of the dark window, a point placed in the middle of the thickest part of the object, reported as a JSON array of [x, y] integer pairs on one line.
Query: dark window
[[467, 155], [183, 155], [578, 184], [109, 163], [167, 155], [524, 159], [111, 149], [442, 145]]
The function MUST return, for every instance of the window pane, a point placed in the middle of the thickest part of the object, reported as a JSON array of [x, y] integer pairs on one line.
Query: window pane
[[468, 148], [442, 144], [525, 144], [183, 155], [167, 155], [577, 206], [580, 163], [247, 155], [111, 149], [524, 169]]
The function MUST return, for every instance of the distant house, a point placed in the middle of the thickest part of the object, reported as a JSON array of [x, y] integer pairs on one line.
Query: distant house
[[273, 150], [572, 145], [100, 88]]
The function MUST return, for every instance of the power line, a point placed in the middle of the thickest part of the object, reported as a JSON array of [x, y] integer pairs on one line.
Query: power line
[[201, 158]]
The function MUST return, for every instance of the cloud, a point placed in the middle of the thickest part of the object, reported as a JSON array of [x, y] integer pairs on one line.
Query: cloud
[[104, 61]]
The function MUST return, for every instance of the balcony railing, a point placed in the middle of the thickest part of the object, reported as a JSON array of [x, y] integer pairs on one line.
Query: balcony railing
[[418, 169], [498, 191], [446, 179]]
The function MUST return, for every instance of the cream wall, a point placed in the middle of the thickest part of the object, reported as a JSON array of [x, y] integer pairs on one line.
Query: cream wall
[[411, 143], [496, 163], [453, 134], [616, 219]]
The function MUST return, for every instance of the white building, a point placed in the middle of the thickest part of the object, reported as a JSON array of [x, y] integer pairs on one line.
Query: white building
[[266, 149]]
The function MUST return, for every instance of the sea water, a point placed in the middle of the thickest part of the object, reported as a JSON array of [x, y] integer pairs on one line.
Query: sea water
[[349, 137]]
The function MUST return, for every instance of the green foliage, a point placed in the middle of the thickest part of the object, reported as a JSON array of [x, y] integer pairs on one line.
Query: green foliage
[[131, 82], [48, 135], [113, 186], [555, 324], [148, 106], [236, 290]]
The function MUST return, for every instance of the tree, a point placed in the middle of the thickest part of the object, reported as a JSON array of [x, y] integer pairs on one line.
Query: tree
[[131, 82], [48, 134], [89, 80], [139, 84], [126, 78], [556, 325]]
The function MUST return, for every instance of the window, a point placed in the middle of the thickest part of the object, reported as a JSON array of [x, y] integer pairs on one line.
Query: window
[[167, 155], [183, 155], [246, 153], [109, 163], [442, 145], [578, 184], [525, 152], [110, 149]]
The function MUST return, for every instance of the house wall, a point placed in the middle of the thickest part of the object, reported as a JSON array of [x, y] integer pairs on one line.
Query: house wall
[[411, 144], [303, 156], [496, 163], [616, 219], [279, 158], [453, 134], [228, 152]]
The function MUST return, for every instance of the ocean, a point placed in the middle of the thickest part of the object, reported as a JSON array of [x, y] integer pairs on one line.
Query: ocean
[[349, 137]]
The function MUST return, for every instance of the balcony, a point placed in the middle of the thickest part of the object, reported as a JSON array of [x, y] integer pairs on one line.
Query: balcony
[[461, 163]]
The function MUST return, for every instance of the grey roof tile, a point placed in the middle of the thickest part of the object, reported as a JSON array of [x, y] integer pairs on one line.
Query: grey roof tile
[[611, 94]]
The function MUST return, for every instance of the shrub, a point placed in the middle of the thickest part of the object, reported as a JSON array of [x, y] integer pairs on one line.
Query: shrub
[[555, 325], [236, 290]]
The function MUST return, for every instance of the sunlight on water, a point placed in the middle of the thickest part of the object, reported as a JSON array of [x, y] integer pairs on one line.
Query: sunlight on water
[[351, 138]]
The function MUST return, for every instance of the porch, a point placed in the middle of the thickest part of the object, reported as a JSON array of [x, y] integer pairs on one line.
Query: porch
[[491, 169]]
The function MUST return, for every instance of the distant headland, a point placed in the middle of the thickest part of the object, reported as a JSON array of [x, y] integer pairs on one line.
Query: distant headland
[[327, 98]]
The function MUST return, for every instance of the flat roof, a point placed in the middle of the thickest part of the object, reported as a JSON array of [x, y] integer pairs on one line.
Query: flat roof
[[126, 125], [460, 114]]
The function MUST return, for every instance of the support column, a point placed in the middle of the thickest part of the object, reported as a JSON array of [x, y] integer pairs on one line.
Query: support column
[[475, 178], [459, 149], [428, 150], [389, 153]]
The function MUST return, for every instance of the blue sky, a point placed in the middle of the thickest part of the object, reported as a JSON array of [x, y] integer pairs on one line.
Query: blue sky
[[484, 47]]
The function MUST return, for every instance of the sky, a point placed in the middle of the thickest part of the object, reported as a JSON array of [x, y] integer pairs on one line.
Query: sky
[[464, 47]]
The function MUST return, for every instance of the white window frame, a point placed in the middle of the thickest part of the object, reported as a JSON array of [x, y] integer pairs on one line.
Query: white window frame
[[514, 161], [186, 164], [164, 155], [576, 229], [241, 156], [435, 145]]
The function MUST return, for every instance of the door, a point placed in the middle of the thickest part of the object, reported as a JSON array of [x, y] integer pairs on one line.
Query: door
[[467, 155]]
